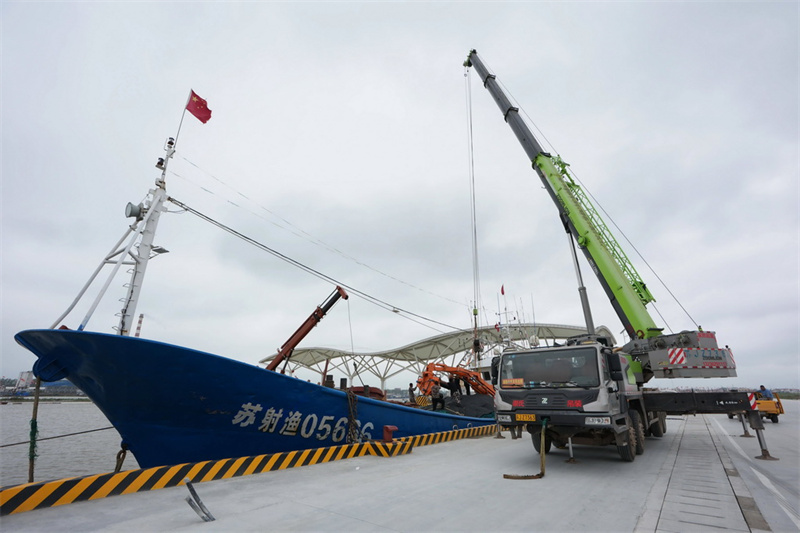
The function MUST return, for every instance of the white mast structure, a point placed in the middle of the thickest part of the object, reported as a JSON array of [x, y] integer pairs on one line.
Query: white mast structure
[[137, 252], [148, 216]]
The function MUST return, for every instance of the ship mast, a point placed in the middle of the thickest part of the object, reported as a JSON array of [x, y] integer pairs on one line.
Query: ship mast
[[139, 248], [132, 254], [147, 215]]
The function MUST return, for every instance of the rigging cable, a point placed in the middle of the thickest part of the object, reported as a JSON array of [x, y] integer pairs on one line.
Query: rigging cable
[[636, 250], [293, 229], [419, 319], [473, 210]]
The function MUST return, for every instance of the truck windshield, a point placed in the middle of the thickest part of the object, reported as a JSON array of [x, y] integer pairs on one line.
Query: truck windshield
[[571, 367]]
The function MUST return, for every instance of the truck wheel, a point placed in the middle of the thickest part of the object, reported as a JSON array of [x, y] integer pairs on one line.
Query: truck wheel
[[657, 429], [638, 426], [537, 442], [774, 418], [628, 453], [730, 415]]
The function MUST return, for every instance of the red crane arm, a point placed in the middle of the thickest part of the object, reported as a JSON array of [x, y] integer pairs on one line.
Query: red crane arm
[[305, 328]]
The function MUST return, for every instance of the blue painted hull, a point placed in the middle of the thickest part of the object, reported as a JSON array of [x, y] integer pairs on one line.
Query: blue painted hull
[[175, 405]]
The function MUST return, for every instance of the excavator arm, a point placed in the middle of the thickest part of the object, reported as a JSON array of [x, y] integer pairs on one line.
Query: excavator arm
[[474, 379]]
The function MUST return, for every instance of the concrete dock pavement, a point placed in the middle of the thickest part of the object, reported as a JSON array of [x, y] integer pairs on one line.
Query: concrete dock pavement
[[699, 490], [685, 481]]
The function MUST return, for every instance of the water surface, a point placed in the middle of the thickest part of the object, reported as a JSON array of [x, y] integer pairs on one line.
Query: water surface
[[77, 455]]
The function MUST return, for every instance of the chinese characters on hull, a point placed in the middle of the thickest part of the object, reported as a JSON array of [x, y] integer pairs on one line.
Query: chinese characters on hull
[[294, 423]]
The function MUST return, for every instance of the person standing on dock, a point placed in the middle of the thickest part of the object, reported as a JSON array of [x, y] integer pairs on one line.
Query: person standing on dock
[[436, 397], [455, 389], [411, 388]]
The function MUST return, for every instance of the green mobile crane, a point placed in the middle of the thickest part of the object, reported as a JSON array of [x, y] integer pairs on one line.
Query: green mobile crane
[[589, 392]]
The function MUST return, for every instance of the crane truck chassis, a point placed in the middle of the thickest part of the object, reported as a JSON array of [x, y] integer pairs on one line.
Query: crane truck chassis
[[588, 392]]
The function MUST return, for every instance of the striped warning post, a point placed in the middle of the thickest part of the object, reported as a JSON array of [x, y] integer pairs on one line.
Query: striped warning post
[[31, 496]]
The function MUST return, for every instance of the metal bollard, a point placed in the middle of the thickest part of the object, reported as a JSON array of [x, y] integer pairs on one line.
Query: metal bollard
[[388, 432]]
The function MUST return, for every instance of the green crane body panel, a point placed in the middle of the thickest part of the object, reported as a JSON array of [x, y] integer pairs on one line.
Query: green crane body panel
[[608, 257]]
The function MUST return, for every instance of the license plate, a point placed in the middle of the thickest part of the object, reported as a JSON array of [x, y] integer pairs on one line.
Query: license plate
[[524, 417]]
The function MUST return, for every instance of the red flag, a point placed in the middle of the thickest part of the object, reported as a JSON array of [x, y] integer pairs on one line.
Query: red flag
[[503, 289], [198, 107]]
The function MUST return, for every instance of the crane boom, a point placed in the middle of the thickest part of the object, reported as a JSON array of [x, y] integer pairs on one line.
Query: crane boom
[[305, 328], [661, 355], [623, 285]]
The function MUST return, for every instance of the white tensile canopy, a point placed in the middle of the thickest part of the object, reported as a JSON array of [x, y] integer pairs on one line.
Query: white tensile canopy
[[453, 349]]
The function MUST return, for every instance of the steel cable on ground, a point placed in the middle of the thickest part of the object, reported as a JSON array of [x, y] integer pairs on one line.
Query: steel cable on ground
[[624, 236], [351, 290]]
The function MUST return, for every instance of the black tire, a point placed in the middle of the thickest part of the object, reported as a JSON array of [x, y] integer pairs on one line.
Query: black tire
[[730, 415], [628, 453], [537, 442], [638, 426], [657, 428], [774, 418]]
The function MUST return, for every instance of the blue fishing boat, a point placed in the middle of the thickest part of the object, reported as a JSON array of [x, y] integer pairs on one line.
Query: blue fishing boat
[[213, 407]]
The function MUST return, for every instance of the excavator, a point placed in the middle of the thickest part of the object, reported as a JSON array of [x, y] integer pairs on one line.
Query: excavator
[[473, 379]]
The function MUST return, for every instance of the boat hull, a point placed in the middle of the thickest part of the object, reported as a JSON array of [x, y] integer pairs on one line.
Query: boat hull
[[174, 405]]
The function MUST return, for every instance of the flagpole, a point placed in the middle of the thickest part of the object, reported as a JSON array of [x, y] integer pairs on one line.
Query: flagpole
[[180, 125]]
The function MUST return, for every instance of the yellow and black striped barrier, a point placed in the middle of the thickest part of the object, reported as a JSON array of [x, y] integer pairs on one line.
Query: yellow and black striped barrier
[[27, 497], [31, 496], [445, 436]]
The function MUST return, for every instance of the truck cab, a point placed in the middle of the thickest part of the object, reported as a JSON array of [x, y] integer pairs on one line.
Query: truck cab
[[583, 391]]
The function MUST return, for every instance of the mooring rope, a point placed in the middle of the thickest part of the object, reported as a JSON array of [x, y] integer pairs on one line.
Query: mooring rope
[[121, 454], [352, 418], [34, 429]]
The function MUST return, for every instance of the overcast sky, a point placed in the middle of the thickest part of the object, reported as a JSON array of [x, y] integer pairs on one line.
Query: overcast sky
[[346, 124]]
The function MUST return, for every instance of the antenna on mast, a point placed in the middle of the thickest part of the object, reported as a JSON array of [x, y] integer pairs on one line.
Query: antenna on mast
[[139, 325]]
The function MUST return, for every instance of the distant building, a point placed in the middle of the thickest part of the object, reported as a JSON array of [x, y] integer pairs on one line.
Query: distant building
[[25, 381], [26, 385]]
